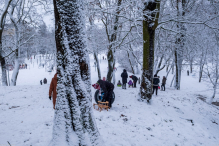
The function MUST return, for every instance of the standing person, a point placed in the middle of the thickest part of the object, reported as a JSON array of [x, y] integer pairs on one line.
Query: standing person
[[45, 81], [107, 88], [156, 81], [41, 82], [124, 76], [187, 72], [26, 66], [52, 90], [163, 83], [103, 57], [135, 79]]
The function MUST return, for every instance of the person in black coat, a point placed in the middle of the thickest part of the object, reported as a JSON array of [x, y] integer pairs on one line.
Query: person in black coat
[[45, 81], [124, 76], [135, 79], [156, 81], [41, 82], [107, 88]]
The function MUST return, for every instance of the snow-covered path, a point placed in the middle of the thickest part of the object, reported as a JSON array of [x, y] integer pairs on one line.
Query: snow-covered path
[[172, 118]]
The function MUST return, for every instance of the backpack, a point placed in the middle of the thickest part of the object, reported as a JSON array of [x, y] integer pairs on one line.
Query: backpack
[[156, 81]]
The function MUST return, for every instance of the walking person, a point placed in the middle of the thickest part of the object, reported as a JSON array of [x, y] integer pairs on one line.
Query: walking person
[[156, 81], [52, 90], [124, 76], [135, 79], [41, 82], [163, 83]]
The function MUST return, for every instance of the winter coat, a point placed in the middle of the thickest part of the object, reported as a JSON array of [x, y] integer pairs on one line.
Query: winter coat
[[52, 89], [124, 76], [45, 81], [164, 80], [105, 85], [130, 83], [156, 81], [134, 78]]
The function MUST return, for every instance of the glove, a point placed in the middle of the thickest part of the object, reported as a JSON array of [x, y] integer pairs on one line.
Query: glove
[[50, 97]]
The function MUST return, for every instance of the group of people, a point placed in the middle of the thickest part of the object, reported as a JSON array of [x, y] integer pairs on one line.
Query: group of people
[[156, 82], [131, 83], [23, 66], [43, 82], [108, 87]]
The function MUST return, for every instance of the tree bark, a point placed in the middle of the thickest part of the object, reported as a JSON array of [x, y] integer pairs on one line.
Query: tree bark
[[180, 42], [200, 72], [2, 59], [130, 63], [17, 55], [149, 26], [111, 49], [98, 65], [74, 123], [191, 61]]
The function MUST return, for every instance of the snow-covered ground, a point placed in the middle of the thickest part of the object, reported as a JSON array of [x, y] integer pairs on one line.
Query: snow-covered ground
[[173, 117]]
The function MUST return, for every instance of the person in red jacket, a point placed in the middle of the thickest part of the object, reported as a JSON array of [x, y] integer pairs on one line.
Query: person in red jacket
[[52, 90]]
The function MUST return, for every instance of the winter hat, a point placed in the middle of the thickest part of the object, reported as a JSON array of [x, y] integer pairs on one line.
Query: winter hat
[[130, 76], [96, 86], [124, 70]]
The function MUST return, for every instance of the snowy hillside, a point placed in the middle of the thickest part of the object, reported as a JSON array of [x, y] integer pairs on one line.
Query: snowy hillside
[[173, 117]]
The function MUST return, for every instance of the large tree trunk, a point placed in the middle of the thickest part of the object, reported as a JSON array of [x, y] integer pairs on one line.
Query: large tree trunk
[[212, 97], [111, 49], [2, 59], [74, 123], [4, 71], [149, 26], [180, 42], [98, 65], [200, 71], [17, 56], [15, 72], [130, 62], [191, 62], [111, 64], [3, 63]]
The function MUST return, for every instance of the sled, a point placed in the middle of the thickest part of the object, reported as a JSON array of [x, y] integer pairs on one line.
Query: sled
[[102, 105], [101, 98]]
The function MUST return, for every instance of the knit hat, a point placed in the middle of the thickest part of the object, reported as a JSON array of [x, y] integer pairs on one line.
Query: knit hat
[[96, 86], [130, 76]]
